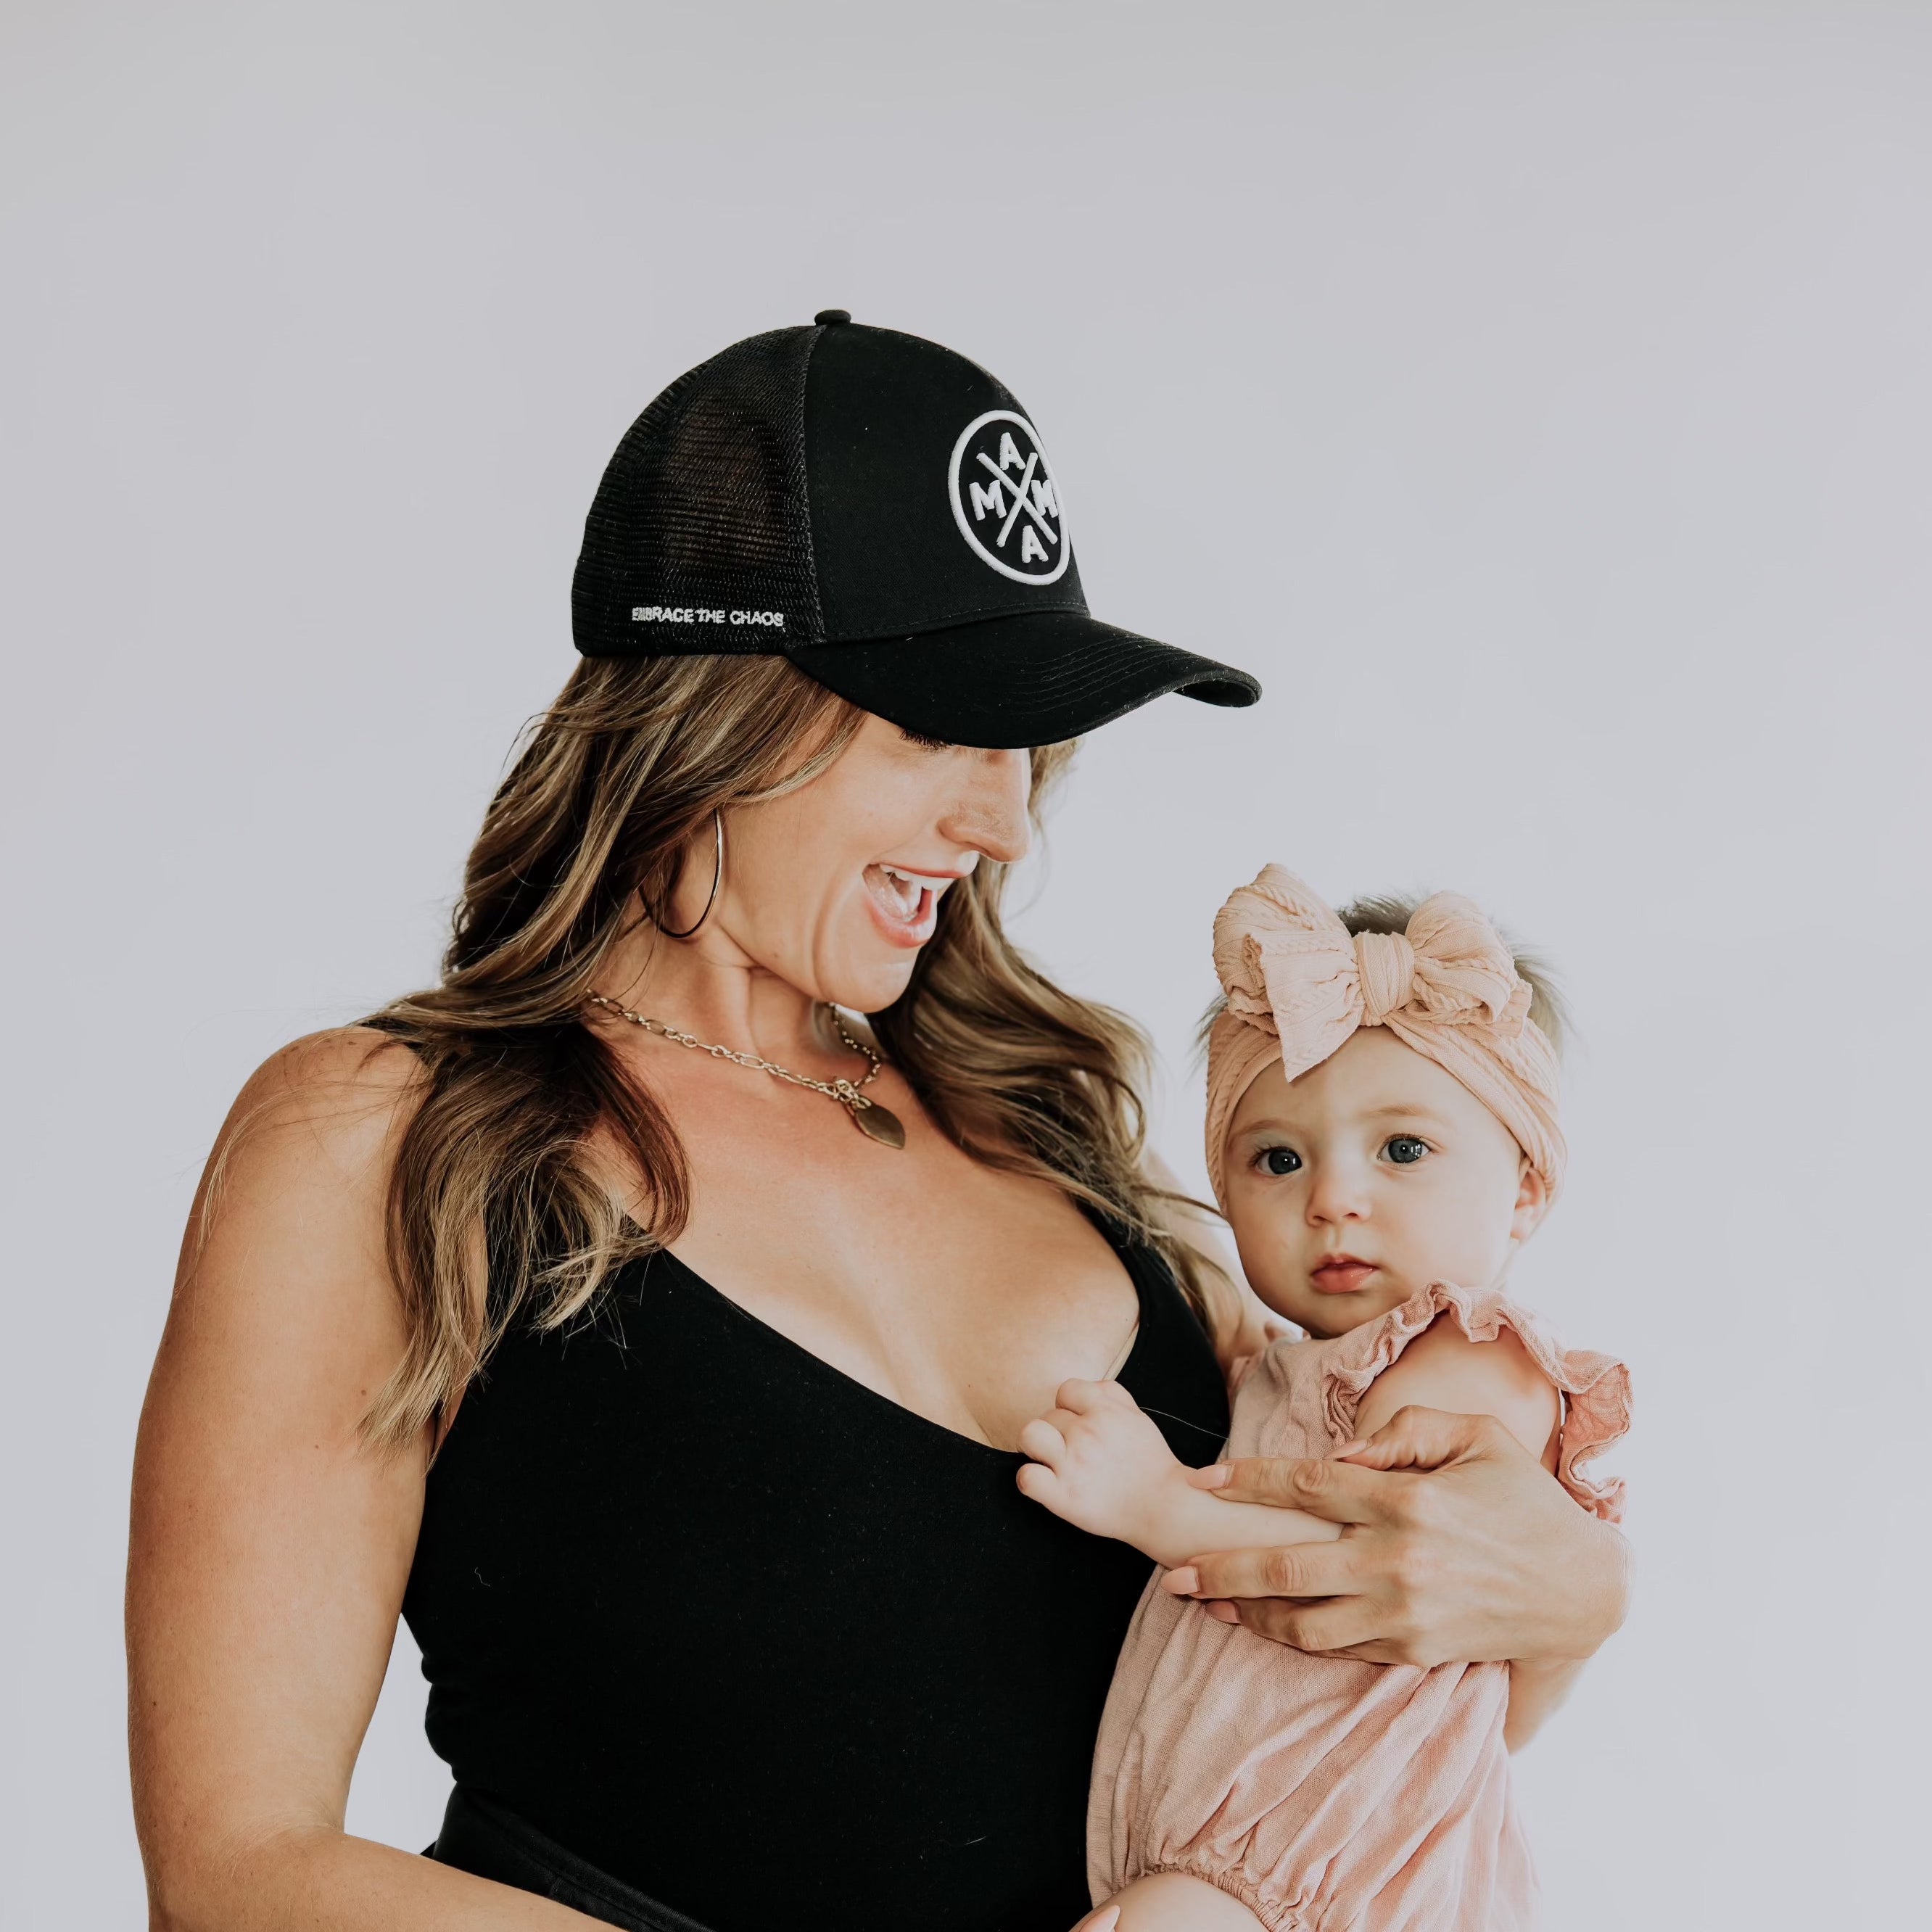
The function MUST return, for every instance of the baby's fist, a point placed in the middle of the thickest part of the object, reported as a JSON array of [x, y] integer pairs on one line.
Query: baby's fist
[[1098, 1459]]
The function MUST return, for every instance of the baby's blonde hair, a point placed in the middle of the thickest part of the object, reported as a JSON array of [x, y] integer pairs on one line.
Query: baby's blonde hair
[[1390, 912]]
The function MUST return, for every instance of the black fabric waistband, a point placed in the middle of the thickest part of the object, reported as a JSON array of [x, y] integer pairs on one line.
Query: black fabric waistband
[[480, 1837]]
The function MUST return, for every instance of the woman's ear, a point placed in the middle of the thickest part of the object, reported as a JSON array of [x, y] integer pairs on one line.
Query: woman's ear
[[1532, 1202]]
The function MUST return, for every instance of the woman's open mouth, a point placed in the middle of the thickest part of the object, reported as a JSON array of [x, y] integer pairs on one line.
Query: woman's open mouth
[[905, 905]]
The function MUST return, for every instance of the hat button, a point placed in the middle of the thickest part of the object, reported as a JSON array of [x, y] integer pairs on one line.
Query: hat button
[[830, 318]]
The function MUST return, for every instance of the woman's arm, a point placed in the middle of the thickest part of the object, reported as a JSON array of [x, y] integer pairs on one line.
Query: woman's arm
[[1465, 1548], [270, 1544], [1443, 1369], [1399, 1438]]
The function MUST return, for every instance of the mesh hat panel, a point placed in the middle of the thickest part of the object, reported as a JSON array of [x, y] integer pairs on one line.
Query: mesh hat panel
[[702, 515]]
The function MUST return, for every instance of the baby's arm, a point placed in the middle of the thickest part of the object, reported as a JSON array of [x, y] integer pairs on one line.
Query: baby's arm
[[1100, 1461], [1443, 1369]]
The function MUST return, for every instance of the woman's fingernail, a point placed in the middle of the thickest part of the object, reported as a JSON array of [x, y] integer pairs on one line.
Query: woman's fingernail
[[1222, 1611], [1183, 1582], [1214, 1478], [1346, 1449]]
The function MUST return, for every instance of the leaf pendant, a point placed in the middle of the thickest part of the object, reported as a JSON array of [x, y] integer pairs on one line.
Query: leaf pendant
[[879, 1123]]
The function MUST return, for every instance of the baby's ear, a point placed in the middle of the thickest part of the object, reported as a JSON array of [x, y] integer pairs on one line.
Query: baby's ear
[[1532, 1203]]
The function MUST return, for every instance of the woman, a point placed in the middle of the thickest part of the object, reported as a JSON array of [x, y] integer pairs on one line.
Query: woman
[[656, 1338]]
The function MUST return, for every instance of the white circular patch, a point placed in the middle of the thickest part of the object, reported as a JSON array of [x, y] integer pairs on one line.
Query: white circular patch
[[1006, 499]]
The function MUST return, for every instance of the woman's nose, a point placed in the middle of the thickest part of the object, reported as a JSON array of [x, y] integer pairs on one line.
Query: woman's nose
[[991, 815]]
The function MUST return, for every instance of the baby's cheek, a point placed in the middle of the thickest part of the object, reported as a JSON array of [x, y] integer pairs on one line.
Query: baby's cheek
[[1267, 1259]]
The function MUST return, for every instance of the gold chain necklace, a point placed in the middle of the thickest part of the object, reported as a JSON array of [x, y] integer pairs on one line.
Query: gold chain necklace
[[873, 1118]]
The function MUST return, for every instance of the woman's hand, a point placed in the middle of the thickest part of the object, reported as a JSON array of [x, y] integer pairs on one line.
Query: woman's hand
[[1457, 1545]]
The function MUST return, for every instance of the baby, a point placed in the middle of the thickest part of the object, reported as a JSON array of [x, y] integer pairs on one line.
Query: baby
[[1382, 1136]]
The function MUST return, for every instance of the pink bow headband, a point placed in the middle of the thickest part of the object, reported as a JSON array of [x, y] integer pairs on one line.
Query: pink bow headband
[[1298, 984]]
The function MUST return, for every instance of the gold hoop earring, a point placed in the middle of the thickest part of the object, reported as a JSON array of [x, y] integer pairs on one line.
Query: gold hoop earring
[[717, 879]]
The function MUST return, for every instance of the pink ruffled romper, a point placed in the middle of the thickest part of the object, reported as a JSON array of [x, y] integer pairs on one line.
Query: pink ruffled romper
[[1322, 1792]]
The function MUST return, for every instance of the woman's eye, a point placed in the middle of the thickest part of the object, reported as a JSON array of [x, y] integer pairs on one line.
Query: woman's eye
[[1280, 1160], [925, 743], [1405, 1150]]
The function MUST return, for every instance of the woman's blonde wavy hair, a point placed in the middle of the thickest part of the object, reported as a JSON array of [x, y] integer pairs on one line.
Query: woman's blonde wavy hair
[[497, 1207]]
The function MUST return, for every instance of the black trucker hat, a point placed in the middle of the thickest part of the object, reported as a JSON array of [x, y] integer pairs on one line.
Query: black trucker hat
[[881, 512]]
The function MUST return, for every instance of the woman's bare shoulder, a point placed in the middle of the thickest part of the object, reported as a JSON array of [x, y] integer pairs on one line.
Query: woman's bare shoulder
[[338, 1096], [285, 1320], [341, 1074], [302, 1163]]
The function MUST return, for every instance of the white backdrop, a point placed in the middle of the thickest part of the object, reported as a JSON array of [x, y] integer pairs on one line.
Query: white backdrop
[[1536, 398]]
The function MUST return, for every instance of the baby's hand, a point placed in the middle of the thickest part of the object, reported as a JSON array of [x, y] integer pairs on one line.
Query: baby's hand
[[1099, 1461]]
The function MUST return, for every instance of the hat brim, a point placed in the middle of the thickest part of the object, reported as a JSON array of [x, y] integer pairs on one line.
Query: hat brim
[[1035, 678]]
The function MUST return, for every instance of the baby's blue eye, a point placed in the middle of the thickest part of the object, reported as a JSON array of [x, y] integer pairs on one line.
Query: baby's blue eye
[[1405, 1150], [1281, 1160]]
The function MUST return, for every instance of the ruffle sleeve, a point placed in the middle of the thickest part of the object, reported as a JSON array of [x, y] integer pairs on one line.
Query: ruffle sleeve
[[1596, 1389]]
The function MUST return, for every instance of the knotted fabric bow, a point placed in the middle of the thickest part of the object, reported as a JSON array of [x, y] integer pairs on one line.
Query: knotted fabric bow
[[1298, 985]]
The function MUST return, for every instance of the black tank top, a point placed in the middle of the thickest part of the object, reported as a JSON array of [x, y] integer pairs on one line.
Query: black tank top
[[764, 1644]]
